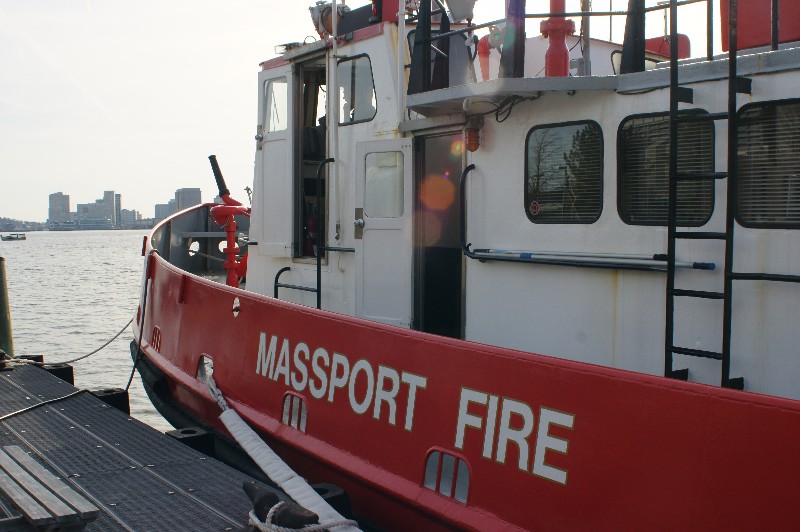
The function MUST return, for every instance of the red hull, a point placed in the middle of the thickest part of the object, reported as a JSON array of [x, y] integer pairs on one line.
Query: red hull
[[549, 444]]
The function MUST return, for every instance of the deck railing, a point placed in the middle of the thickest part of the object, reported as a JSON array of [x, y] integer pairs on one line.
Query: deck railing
[[430, 56]]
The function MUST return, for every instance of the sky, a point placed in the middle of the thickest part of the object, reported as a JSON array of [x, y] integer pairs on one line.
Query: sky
[[133, 97]]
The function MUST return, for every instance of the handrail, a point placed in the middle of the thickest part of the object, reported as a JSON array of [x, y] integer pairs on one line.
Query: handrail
[[322, 228], [584, 260], [278, 284], [319, 247]]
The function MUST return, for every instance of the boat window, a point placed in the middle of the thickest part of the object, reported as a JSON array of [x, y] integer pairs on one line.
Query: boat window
[[383, 186], [277, 105], [357, 101], [643, 171], [769, 165], [564, 173]]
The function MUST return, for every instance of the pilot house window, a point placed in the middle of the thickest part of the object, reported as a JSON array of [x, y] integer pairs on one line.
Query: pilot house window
[[564, 173], [643, 166], [276, 105], [768, 194], [357, 101]]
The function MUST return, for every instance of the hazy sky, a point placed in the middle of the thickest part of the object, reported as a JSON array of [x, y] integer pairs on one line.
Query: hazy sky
[[133, 96]]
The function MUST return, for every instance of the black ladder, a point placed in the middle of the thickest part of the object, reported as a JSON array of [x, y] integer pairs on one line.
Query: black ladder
[[679, 94]]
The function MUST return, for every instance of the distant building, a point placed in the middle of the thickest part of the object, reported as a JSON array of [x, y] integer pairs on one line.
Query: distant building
[[109, 204], [117, 210], [184, 198], [58, 213], [98, 215], [128, 218], [165, 209], [187, 197]]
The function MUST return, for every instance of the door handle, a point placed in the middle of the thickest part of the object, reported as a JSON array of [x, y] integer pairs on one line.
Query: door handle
[[358, 224]]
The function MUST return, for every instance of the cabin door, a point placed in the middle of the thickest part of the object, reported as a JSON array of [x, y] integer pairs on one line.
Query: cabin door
[[438, 262], [382, 231], [271, 227]]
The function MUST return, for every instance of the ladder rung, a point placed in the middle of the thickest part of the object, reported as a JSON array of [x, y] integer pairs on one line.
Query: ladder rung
[[744, 85], [736, 383], [687, 235], [297, 287], [680, 374], [698, 293], [765, 277], [696, 352], [702, 117], [701, 176]]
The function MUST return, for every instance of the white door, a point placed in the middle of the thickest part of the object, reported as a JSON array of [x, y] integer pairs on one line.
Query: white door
[[382, 230], [272, 188]]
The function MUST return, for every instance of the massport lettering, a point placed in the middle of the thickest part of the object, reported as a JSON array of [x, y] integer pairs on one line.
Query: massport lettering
[[330, 373]]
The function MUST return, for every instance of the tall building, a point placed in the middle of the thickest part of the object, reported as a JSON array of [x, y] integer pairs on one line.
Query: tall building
[[98, 215], [108, 206], [187, 197], [117, 210], [165, 209], [58, 212]]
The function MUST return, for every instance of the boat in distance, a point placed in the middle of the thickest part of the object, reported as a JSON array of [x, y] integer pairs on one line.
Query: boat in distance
[[11, 237], [491, 281]]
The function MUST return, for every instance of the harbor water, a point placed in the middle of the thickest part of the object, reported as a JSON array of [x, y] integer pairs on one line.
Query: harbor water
[[70, 292]]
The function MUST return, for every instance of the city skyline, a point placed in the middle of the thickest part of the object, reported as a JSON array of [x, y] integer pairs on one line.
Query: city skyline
[[146, 92], [107, 212]]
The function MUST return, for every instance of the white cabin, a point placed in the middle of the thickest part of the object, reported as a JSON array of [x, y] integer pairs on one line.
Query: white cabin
[[565, 211]]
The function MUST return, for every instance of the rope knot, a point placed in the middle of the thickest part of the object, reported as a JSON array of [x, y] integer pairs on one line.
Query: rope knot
[[268, 525]]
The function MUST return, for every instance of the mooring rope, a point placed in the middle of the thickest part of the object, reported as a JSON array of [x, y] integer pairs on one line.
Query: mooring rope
[[268, 526], [101, 347], [141, 323], [43, 403], [275, 468], [193, 253], [16, 360]]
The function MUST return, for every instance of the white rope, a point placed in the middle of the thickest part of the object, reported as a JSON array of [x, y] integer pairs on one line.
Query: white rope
[[268, 526], [271, 464], [216, 394]]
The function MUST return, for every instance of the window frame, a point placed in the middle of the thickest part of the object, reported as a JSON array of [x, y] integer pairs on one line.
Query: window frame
[[602, 172], [339, 84], [269, 99], [665, 114], [739, 113]]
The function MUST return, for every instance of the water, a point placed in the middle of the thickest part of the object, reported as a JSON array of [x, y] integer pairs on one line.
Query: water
[[71, 292]]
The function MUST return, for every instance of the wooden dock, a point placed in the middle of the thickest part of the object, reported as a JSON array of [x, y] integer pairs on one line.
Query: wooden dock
[[136, 477]]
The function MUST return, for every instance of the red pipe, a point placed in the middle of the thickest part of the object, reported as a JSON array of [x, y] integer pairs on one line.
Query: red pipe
[[556, 60], [483, 56], [224, 216]]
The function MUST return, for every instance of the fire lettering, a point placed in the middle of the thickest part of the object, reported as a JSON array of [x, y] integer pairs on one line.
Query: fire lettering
[[515, 427]]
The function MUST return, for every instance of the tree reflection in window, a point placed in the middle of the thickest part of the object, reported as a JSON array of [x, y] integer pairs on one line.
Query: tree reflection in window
[[564, 173]]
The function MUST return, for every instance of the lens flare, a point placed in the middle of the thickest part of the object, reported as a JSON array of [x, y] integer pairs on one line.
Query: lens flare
[[457, 148], [437, 192], [431, 228]]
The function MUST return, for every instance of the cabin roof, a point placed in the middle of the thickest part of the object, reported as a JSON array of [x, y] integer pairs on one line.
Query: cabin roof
[[452, 100]]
